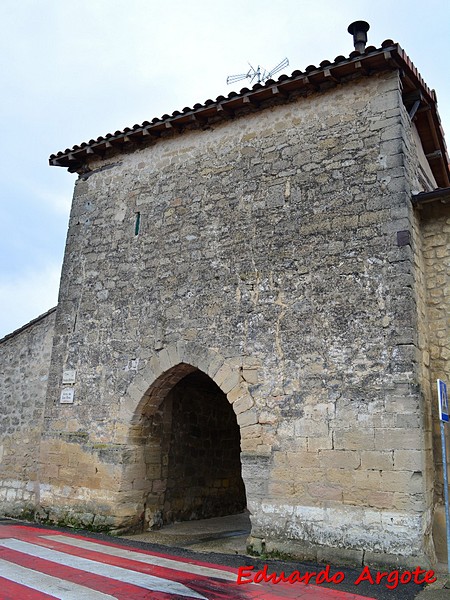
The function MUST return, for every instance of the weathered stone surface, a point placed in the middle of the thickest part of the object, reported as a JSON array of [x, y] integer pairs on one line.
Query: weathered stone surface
[[24, 368], [279, 254], [434, 345]]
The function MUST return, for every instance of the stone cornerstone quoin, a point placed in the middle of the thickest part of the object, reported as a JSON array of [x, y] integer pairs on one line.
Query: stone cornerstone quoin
[[253, 309]]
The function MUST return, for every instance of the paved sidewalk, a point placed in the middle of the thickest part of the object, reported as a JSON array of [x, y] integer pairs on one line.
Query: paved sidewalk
[[226, 535], [437, 591]]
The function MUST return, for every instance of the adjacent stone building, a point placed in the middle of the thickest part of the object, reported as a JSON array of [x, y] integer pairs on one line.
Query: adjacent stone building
[[253, 311]]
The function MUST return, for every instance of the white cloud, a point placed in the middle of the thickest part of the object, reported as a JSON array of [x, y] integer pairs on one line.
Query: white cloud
[[27, 296]]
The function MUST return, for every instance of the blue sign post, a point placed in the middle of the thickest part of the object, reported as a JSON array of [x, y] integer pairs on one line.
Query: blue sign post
[[443, 417], [443, 400]]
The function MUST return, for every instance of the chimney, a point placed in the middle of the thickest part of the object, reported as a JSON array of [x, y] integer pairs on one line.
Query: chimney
[[359, 31]]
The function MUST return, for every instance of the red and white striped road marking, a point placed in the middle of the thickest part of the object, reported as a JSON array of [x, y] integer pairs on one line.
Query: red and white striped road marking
[[37, 566], [47, 584], [149, 559], [149, 582]]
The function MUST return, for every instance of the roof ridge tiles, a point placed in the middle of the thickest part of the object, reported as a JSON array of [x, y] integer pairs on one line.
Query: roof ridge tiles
[[394, 58]]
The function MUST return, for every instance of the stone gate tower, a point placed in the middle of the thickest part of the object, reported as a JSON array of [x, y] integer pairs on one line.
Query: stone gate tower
[[252, 312]]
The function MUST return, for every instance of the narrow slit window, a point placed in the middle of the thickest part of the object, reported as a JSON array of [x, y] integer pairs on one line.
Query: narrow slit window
[[137, 224]]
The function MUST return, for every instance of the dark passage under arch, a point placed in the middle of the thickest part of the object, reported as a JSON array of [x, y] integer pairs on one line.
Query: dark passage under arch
[[199, 440]]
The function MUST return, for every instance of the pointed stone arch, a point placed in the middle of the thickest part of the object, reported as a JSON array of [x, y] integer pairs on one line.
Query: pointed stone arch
[[158, 377], [144, 414]]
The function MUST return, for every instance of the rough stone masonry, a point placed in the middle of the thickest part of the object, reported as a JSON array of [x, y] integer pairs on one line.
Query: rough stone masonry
[[251, 313]]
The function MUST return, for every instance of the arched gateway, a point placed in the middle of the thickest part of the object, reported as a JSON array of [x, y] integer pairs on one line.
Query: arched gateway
[[186, 438], [191, 451]]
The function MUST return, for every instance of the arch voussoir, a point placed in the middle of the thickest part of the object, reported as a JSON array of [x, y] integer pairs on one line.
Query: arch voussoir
[[173, 362]]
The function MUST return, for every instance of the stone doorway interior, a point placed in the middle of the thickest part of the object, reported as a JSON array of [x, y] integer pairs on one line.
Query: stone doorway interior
[[192, 455]]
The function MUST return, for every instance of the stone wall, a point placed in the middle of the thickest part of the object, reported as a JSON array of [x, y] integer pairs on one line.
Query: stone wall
[[24, 367], [435, 223], [429, 244], [270, 255], [435, 220]]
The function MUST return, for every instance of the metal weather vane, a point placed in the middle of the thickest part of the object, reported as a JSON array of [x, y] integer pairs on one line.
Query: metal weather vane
[[260, 74]]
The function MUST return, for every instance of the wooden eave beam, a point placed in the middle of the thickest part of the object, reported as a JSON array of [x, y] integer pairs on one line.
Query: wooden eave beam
[[136, 137], [308, 81], [196, 117], [226, 110], [328, 75], [387, 55], [149, 132], [410, 97], [113, 142], [362, 68], [413, 109], [437, 154], [278, 90], [181, 121], [96, 149], [440, 195], [413, 100], [432, 128], [250, 99]]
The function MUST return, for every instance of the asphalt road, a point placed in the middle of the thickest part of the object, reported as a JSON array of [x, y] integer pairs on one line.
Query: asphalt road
[[43, 562]]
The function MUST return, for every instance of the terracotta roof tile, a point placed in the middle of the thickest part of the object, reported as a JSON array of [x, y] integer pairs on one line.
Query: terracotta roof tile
[[389, 57]]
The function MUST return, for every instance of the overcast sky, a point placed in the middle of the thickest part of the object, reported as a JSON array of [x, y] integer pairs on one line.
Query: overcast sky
[[72, 71]]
